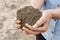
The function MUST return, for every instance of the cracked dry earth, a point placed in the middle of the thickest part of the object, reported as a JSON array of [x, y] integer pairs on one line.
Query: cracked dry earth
[[8, 30]]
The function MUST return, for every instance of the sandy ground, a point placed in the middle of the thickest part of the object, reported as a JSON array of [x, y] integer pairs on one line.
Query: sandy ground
[[8, 31]]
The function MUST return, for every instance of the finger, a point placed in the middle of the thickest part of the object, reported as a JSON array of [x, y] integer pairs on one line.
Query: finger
[[20, 30], [39, 29], [17, 21], [30, 27], [42, 20], [15, 18], [18, 26], [27, 31], [47, 24], [35, 25], [33, 28], [44, 28]]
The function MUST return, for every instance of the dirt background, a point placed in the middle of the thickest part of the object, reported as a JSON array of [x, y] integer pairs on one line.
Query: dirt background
[[8, 31]]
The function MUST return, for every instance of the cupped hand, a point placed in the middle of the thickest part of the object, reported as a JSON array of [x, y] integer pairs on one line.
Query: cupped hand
[[36, 28]]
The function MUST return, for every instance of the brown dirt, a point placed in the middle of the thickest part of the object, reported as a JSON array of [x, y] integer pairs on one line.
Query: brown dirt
[[29, 15]]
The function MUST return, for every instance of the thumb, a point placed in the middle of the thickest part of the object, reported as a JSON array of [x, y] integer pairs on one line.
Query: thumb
[[39, 22]]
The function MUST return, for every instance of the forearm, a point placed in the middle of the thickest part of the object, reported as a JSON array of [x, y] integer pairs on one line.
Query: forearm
[[55, 13], [37, 3]]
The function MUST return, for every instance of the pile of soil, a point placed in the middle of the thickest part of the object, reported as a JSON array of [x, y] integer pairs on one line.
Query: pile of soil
[[29, 15]]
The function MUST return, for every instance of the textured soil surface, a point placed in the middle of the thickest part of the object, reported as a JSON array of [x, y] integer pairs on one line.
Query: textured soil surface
[[29, 15], [8, 30]]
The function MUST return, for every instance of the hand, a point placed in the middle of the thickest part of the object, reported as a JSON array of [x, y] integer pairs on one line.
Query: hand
[[18, 24], [46, 17], [35, 29]]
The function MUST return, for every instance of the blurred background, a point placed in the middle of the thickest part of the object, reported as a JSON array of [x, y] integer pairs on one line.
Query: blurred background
[[8, 30]]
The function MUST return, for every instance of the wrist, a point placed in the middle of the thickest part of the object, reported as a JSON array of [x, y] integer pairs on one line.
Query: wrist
[[49, 13]]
